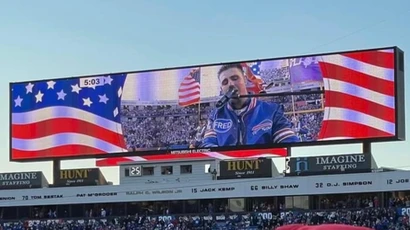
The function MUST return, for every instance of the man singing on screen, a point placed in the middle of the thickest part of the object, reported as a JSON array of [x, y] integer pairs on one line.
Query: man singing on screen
[[245, 121]]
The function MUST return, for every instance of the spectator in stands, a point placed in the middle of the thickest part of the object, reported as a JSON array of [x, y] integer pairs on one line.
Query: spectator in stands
[[245, 120]]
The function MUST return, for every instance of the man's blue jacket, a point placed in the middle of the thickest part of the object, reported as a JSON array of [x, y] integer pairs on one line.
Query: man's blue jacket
[[260, 123]]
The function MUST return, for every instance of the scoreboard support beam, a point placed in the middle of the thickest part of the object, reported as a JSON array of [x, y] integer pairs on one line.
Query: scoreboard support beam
[[367, 147], [56, 170]]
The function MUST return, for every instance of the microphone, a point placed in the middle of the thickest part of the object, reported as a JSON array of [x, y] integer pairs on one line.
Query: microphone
[[232, 91]]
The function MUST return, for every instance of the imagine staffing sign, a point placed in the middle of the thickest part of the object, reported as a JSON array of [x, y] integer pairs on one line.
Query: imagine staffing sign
[[21, 180], [335, 164]]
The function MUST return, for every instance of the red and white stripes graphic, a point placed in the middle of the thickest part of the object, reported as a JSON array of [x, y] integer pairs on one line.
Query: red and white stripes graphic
[[359, 95]]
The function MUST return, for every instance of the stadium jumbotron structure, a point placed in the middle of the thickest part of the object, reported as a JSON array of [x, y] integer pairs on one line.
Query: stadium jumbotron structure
[[198, 154]]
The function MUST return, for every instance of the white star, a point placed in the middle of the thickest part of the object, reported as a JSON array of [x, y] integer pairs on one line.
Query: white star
[[61, 95], [75, 88], [115, 112], [103, 98], [108, 80], [39, 96], [87, 102], [18, 101], [50, 84], [119, 92], [29, 88]]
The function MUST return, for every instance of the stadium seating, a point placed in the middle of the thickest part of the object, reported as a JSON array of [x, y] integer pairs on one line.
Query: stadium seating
[[374, 218]]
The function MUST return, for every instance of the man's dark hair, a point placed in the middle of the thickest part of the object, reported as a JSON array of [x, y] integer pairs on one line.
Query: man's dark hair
[[230, 66]]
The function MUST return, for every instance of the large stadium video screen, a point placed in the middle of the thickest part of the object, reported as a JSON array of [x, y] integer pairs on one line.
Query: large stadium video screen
[[251, 104]]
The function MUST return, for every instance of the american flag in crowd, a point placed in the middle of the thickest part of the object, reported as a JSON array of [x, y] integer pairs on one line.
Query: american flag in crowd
[[189, 92], [359, 95], [252, 72], [60, 118]]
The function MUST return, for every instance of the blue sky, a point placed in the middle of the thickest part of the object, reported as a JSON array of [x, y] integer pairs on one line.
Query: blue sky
[[52, 39]]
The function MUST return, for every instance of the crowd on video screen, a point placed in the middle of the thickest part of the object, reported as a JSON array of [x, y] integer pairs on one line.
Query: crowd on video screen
[[166, 126], [275, 75]]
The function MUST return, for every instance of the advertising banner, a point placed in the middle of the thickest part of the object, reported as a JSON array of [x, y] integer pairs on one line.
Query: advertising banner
[[253, 168], [78, 177], [333, 164], [22, 180]]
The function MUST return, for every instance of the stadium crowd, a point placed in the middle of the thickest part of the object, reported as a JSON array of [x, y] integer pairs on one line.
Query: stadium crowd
[[357, 210], [275, 75], [375, 218]]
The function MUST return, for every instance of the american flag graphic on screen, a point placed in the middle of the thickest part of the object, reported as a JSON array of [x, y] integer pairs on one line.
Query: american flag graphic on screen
[[60, 118], [359, 95], [189, 92], [80, 116]]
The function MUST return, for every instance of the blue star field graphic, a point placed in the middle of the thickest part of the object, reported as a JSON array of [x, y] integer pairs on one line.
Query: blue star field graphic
[[102, 99]]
